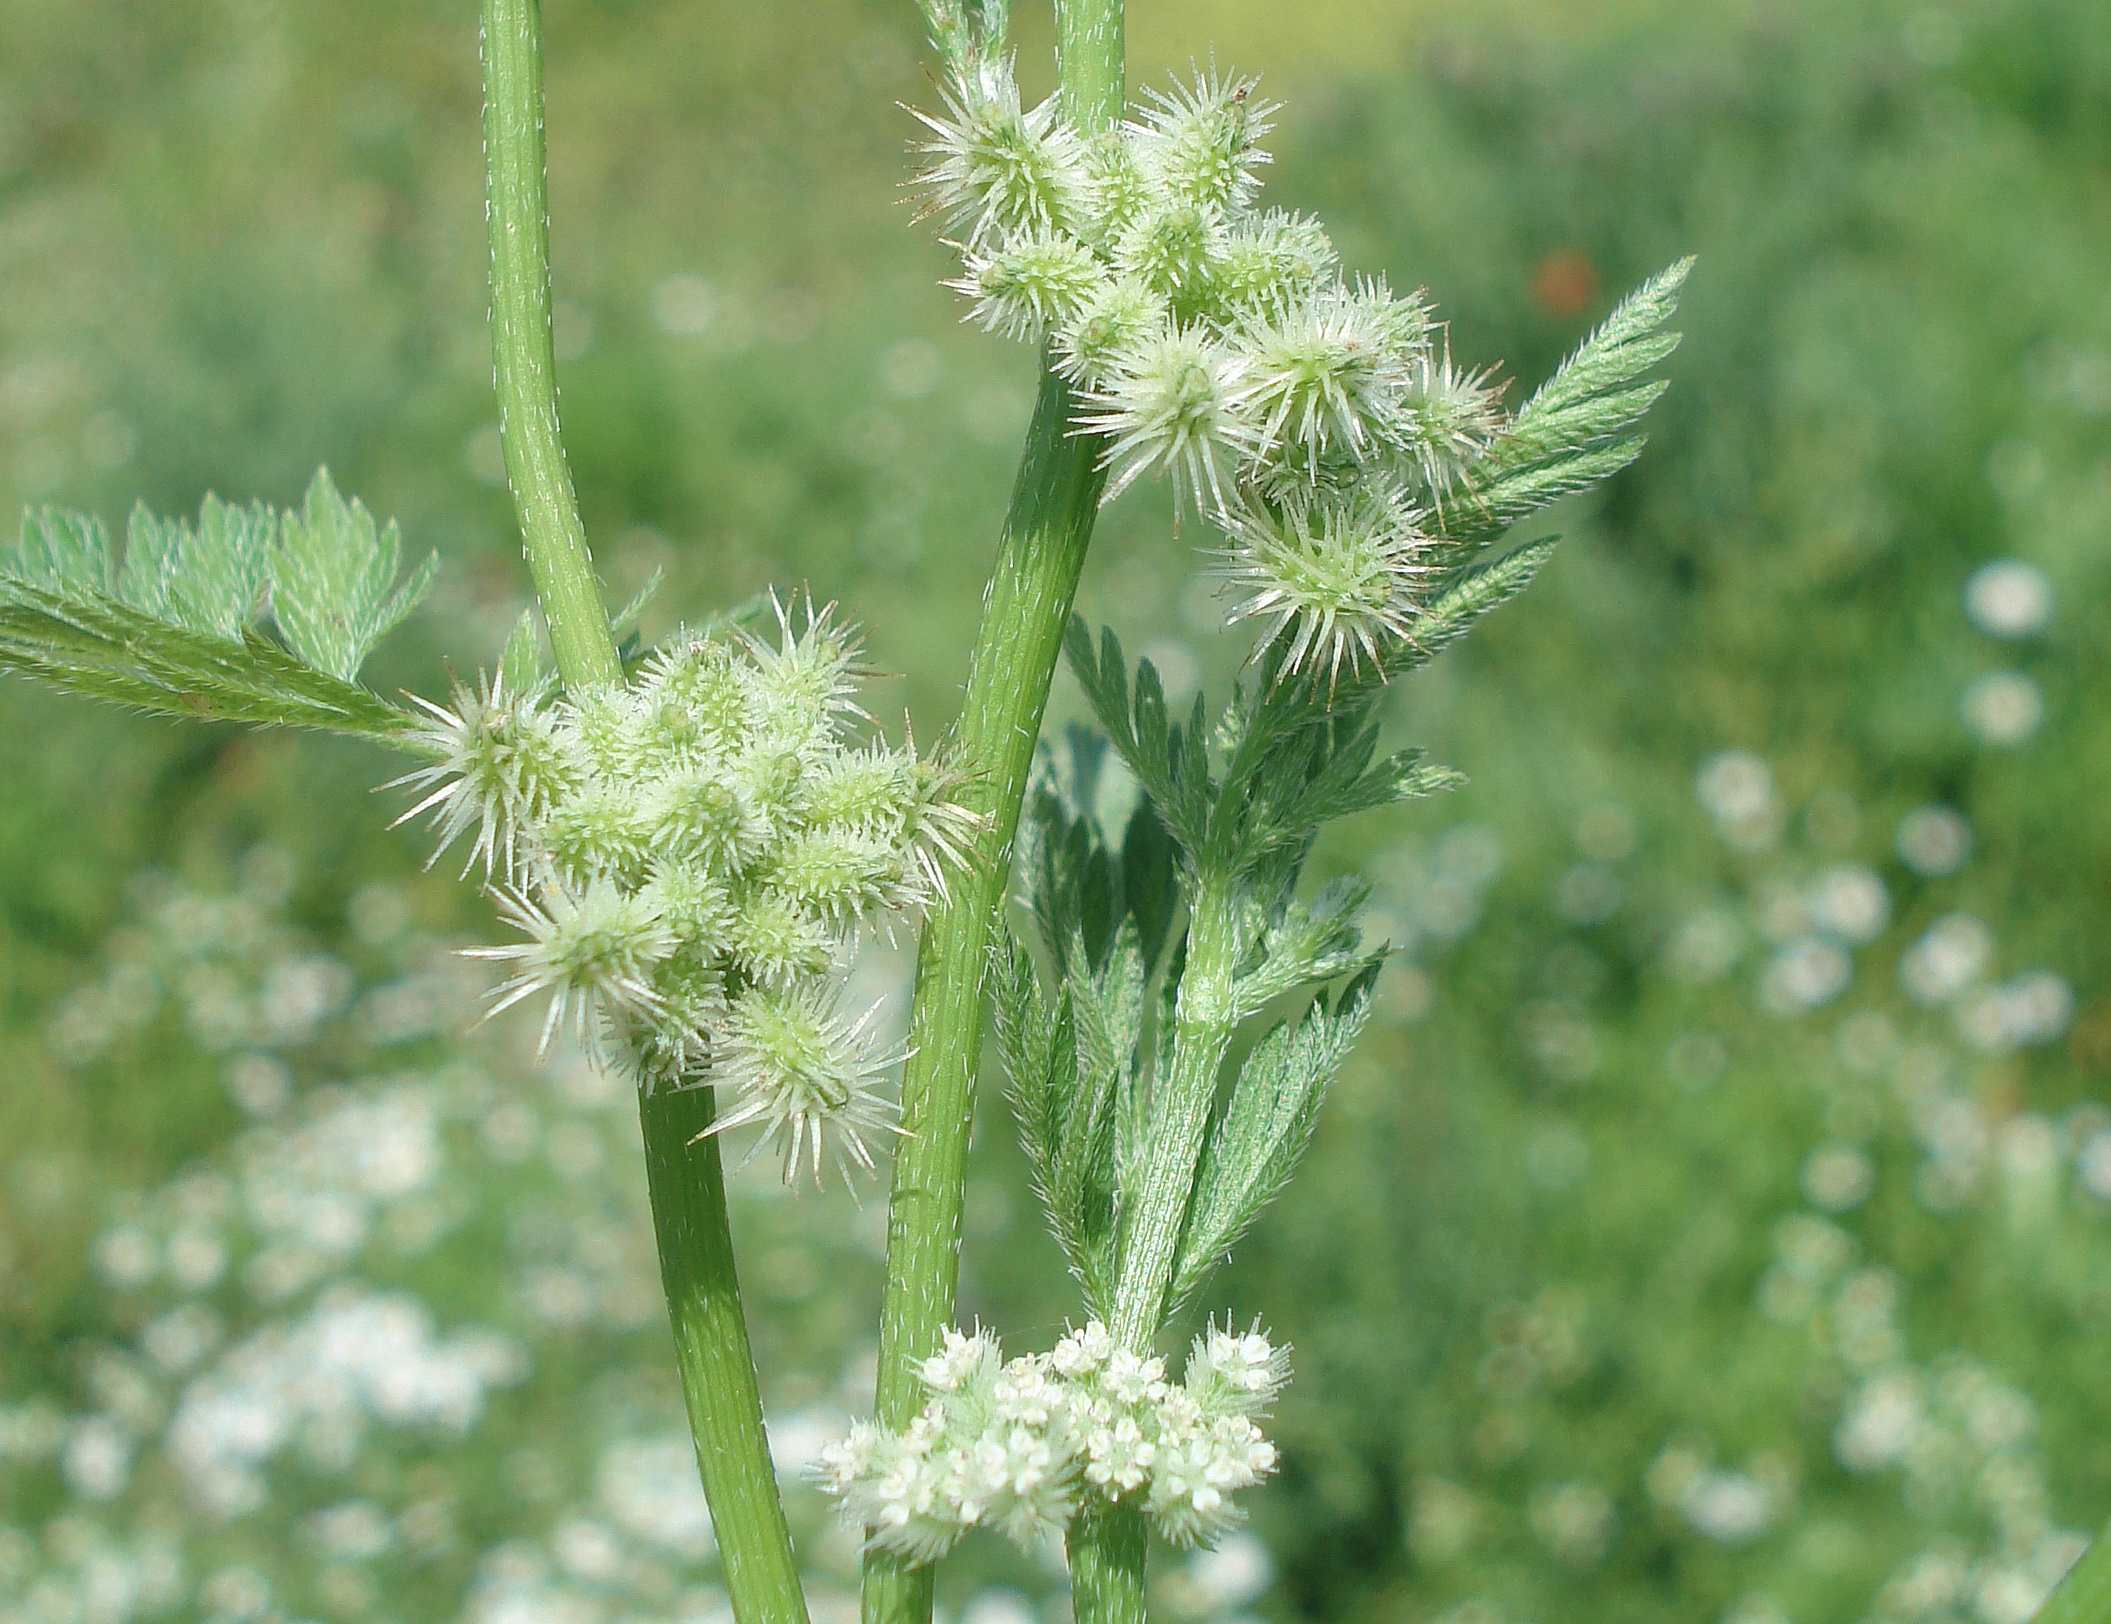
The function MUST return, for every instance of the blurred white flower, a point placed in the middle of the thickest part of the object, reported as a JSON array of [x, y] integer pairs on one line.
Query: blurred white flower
[[1946, 961], [2003, 708], [1882, 1424], [2009, 599], [1850, 903], [1837, 1177], [1806, 974], [1934, 840], [1731, 1508], [2031, 1009], [1738, 790]]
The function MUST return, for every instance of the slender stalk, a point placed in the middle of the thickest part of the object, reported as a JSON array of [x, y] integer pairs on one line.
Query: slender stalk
[[1106, 1554], [1203, 1023], [2084, 1596], [1047, 529], [517, 211], [683, 1173], [1054, 504], [688, 1188]]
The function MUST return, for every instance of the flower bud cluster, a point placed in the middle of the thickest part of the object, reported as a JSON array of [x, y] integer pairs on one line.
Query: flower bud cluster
[[688, 858], [1314, 420], [1024, 1446]]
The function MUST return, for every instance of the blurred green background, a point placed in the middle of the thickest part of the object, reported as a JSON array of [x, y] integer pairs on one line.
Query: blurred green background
[[1717, 1226]]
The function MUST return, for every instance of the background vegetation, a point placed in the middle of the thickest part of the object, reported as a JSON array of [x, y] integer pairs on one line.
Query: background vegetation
[[1720, 1225]]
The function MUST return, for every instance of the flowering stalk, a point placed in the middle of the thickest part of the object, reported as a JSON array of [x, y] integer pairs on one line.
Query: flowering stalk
[[1048, 527], [684, 1172]]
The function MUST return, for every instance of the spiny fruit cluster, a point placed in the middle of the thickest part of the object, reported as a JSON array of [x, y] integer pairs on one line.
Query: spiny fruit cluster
[[689, 856], [1315, 421], [1024, 1446]]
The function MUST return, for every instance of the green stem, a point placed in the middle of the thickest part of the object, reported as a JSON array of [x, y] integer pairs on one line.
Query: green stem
[[1106, 1554], [523, 363], [1203, 1022], [682, 1171], [1047, 529], [1054, 505], [688, 1187], [2084, 1596], [1091, 57]]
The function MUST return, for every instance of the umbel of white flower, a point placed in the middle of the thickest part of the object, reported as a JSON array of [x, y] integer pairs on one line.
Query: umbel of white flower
[[1024, 1446], [1314, 421], [688, 858]]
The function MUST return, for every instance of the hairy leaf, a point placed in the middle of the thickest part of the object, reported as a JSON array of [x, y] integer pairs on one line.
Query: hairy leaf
[[61, 551], [520, 667], [210, 577], [110, 650], [1265, 1126], [335, 593]]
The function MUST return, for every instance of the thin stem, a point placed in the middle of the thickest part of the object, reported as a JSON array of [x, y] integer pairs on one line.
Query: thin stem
[[683, 1172], [1106, 1554], [688, 1187], [1054, 505], [523, 363], [1047, 529], [1203, 1023], [2084, 1596]]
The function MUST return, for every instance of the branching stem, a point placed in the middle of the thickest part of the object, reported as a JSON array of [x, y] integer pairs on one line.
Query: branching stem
[[686, 1180], [1055, 502]]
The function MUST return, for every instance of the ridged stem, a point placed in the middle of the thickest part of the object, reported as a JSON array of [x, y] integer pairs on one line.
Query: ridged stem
[[688, 1187], [683, 1172], [524, 365], [1046, 533], [1048, 527], [1106, 1553]]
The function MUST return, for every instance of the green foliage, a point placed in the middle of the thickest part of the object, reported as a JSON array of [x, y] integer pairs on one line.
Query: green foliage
[[334, 591], [1267, 1124], [210, 577], [1074, 1049], [1525, 1264], [172, 627], [1577, 428]]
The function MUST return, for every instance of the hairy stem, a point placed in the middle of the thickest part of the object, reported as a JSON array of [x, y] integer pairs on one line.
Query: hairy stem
[[684, 1174], [1203, 1021], [523, 363], [1091, 60], [688, 1188], [1055, 502], [1106, 1552], [2084, 1596], [1046, 533]]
